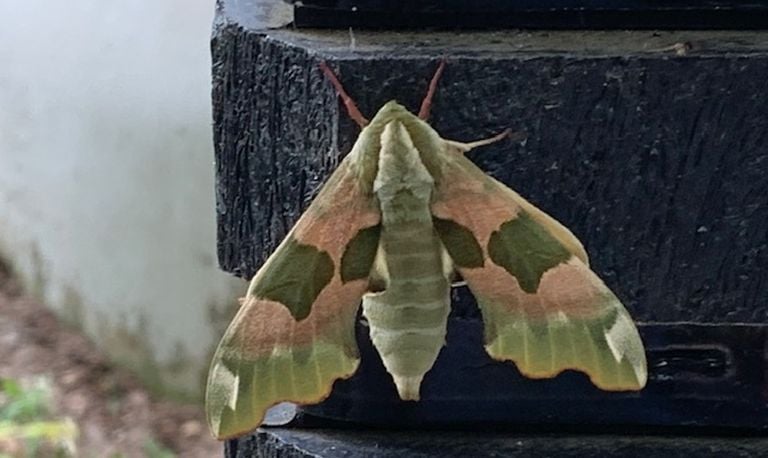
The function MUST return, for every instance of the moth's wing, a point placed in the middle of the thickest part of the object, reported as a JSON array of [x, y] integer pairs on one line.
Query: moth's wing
[[294, 334], [542, 306]]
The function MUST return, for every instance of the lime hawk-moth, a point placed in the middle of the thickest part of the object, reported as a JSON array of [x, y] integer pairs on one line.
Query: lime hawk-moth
[[403, 216]]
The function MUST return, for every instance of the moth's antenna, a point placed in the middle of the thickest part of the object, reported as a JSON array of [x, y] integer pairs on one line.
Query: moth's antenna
[[426, 104], [354, 113]]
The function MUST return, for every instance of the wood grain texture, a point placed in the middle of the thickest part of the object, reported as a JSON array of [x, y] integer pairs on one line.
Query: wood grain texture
[[543, 14], [287, 443], [657, 162]]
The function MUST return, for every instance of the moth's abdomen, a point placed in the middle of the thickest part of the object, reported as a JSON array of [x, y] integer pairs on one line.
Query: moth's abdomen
[[408, 319]]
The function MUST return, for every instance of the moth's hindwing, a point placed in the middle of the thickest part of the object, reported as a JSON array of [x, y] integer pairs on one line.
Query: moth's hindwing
[[542, 306], [294, 335]]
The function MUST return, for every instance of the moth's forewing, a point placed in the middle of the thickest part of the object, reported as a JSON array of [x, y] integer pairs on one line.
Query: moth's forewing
[[294, 335], [542, 306]]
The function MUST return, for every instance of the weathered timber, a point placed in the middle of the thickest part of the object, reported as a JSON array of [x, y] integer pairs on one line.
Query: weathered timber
[[274, 443], [657, 161], [651, 146], [546, 14]]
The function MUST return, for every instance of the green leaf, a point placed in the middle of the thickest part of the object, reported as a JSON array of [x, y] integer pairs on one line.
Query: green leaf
[[12, 388], [24, 403], [154, 450]]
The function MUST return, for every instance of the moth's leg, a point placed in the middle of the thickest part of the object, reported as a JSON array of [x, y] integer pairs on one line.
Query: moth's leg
[[426, 104], [354, 113], [464, 147]]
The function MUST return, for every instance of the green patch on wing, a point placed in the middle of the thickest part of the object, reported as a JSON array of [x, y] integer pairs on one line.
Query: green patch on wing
[[359, 254], [607, 348], [526, 250], [459, 242], [296, 278], [240, 390]]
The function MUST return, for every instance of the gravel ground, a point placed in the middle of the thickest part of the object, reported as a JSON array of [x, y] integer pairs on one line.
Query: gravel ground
[[114, 414]]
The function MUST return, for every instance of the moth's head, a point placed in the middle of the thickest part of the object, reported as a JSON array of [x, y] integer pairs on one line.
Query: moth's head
[[418, 131], [391, 111], [399, 132]]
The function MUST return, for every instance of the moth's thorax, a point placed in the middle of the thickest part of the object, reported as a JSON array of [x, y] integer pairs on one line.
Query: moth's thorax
[[397, 150], [402, 184]]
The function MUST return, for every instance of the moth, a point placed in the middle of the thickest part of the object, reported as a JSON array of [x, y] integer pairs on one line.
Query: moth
[[402, 217]]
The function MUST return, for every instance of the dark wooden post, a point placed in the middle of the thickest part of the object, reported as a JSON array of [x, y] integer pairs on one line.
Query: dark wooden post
[[651, 146]]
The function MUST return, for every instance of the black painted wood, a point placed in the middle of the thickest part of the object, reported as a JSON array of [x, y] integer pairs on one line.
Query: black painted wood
[[282, 443], [699, 375], [570, 14], [524, 5], [656, 161], [651, 146]]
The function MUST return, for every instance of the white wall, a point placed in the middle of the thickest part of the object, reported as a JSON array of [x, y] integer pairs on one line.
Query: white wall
[[106, 174]]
